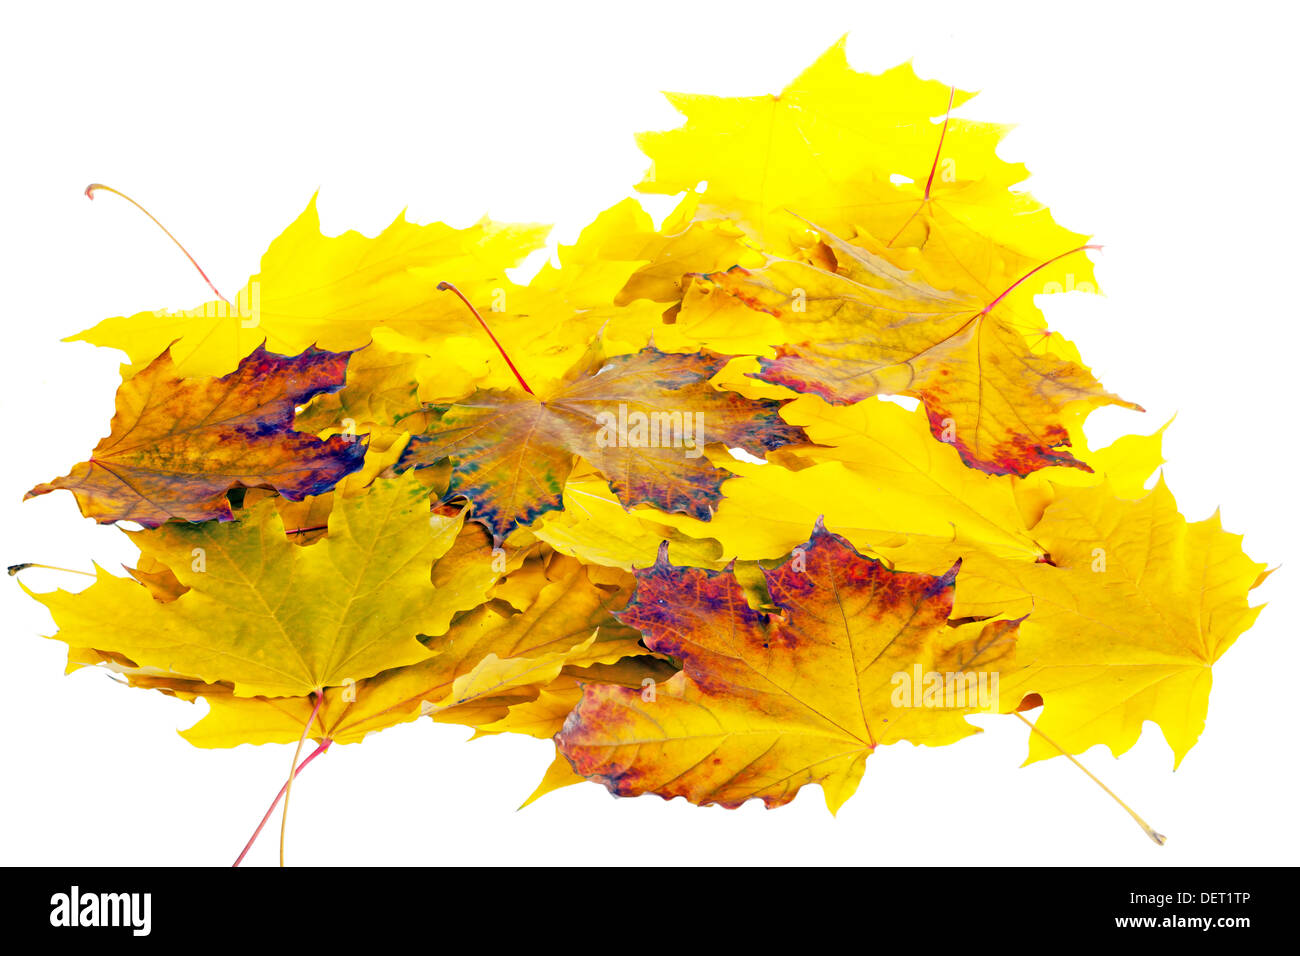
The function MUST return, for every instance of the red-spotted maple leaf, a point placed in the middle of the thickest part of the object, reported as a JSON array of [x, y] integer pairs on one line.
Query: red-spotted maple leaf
[[860, 326], [769, 702], [177, 445]]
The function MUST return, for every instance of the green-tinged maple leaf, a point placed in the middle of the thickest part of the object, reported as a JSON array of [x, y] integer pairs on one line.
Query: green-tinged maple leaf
[[275, 619], [641, 420], [487, 653]]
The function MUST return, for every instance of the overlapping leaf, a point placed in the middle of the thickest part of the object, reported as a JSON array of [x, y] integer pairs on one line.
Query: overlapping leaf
[[1125, 621], [486, 654], [851, 238], [275, 619], [177, 445], [867, 328], [769, 702], [879, 154], [330, 291], [641, 420], [881, 480]]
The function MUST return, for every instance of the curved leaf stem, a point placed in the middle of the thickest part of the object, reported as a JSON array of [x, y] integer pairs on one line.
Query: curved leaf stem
[[448, 287], [324, 746], [293, 769], [90, 194]]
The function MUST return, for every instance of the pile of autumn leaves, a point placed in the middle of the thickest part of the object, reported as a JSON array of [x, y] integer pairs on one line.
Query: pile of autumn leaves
[[342, 489]]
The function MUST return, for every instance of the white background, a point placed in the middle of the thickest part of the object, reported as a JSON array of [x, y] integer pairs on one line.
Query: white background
[[1166, 130]]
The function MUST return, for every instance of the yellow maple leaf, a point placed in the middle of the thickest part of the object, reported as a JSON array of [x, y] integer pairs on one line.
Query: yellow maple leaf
[[597, 528], [878, 477], [274, 619], [485, 654], [329, 291], [879, 153], [1125, 622]]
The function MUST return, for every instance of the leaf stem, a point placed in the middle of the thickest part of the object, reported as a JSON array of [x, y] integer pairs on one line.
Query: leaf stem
[[938, 150], [15, 568], [90, 194], [324, 746], [293, 772], [934, 166], [448, 287], [1156, 838]]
